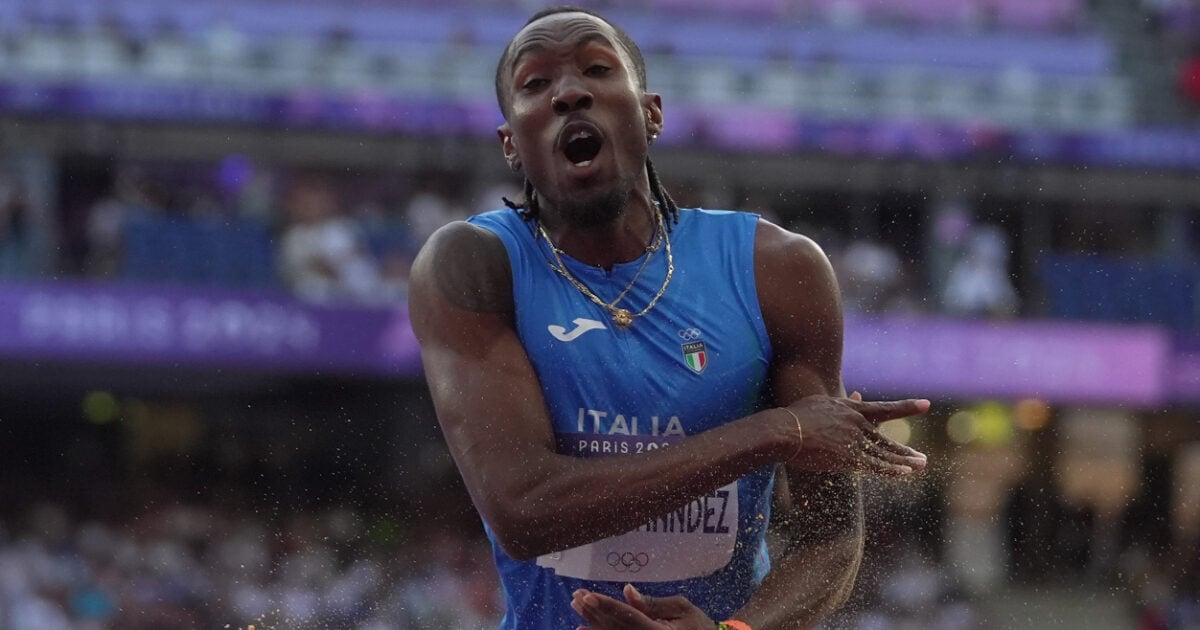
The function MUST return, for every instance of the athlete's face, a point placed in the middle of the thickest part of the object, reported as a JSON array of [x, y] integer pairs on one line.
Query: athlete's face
[[578, 123]]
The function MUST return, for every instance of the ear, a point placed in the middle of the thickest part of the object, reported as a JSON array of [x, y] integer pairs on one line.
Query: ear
[[652, 105], [509, 147]]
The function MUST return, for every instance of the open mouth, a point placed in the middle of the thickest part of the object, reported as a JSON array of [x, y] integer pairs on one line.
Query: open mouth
[[580, 142]]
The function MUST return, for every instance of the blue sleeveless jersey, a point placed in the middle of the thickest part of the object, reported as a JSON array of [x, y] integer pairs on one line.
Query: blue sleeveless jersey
[[697, 360]]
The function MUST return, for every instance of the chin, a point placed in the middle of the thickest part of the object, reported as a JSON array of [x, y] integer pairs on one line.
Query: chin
[[593, 210]]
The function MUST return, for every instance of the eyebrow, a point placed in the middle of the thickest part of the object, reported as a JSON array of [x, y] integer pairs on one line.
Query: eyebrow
[[535, 47]]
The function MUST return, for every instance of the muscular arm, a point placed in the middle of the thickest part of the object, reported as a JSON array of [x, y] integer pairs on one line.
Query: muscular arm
[[823, 520], [494, 418], [820, 564], [822, 516]]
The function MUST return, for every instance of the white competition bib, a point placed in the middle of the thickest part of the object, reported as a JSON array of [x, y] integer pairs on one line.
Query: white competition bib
[[693, 541]]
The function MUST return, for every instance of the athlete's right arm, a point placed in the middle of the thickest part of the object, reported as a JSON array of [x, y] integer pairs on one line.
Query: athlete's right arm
[[494, 419]]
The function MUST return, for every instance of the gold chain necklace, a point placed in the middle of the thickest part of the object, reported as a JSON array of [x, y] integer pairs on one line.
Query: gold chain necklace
[[650, 249], [622, 317]]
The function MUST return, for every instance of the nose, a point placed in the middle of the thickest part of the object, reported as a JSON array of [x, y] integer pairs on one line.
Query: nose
[[571, 96]]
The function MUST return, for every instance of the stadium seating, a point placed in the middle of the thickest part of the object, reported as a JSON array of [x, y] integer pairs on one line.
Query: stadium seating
[[831, 58]]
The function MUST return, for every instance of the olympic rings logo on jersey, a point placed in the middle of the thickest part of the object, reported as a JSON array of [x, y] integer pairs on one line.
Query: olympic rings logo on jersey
[[689, 334], [627, 562]]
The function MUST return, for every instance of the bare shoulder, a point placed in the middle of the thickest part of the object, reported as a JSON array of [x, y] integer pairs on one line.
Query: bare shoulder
[[786, 261], [462, 266], [798, 295]]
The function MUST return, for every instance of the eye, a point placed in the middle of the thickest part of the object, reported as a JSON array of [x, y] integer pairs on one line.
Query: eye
[[597, 70], [534, 84]]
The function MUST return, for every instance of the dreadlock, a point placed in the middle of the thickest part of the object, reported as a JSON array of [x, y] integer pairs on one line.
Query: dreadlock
[[666, 205], [531, 211], [528, 209]]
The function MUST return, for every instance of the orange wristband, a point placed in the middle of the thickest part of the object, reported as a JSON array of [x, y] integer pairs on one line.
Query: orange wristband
[[733, 624]]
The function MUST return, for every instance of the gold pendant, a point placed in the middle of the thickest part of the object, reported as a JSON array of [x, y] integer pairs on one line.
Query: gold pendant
[[622, 318]]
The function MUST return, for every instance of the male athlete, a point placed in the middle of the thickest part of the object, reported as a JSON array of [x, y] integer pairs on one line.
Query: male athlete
[[619, 380]]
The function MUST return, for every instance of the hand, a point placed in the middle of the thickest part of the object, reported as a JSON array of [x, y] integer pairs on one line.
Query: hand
[[839, 435], [640, 613]]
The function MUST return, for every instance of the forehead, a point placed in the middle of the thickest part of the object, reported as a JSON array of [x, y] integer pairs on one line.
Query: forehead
[[562, 30]]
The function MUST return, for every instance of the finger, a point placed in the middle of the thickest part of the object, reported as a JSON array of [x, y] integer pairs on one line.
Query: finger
[[884, 410], [660, 608], [872, 460], [881, 468], [896, 452], [891, 461], [881, 410], [588, 608], [577, 603], [652, 606], [636, 599], [603, 611]]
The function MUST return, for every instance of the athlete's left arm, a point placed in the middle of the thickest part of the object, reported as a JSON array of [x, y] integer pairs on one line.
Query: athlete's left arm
[[822, 523], [822, 518]]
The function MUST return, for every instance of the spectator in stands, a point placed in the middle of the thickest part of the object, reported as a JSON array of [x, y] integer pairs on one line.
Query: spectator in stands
[[426, 212], [873, 278], [978, 283], [14, 227], [322, 256], [387, 236], [203, 566], [133, 194], [1189, 82]]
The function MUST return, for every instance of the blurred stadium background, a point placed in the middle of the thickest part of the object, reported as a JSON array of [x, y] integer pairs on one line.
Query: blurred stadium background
[[211, 407]]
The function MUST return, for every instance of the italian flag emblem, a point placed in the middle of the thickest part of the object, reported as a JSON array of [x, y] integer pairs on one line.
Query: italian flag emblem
[[695, 356]]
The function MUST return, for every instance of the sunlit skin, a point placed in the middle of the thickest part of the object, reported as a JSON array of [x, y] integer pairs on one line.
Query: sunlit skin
[[570, 72]]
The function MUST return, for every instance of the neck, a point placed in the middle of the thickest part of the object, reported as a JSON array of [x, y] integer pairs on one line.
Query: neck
[[621, 240]]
